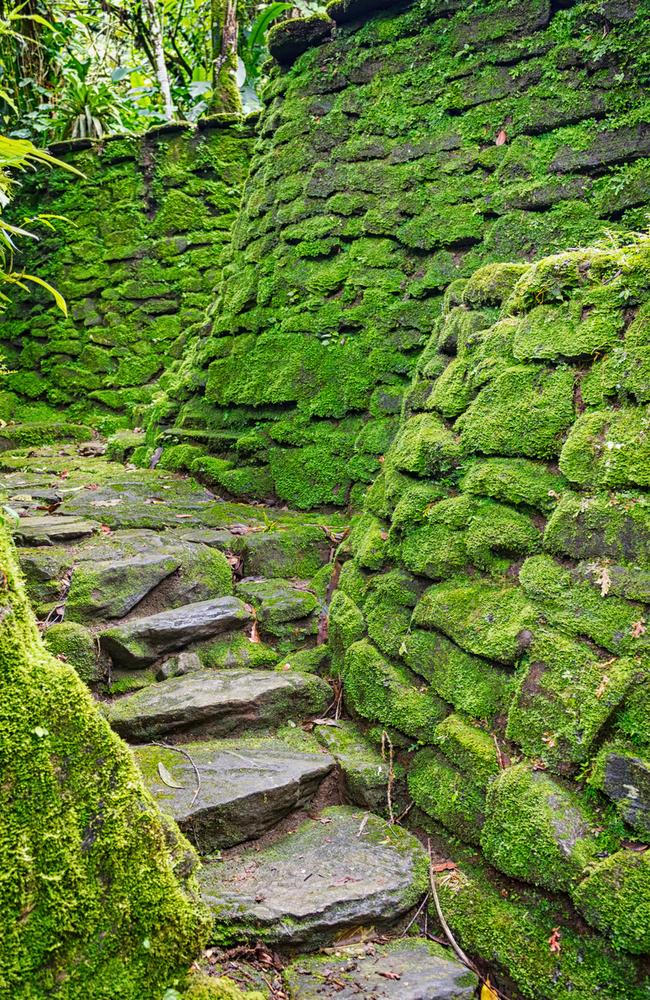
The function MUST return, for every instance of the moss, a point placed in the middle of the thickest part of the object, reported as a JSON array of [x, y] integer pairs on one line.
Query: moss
[[346, 625], [492, 284], [306, 477], [74, 644], [368, 539], [585, 325], [538, 830], [424, 446], [387, 692], [608, 449], [448, 796], [236, 650], [623, 773], [307, 661], [600, 526], [469, 748], [204, 987], [580, 609], [366, 772], [524, 411], [564, 697], [615, 899], [485, 618], [179, 457], [36, 434], [468, 683], [514, 480], [81, 888]]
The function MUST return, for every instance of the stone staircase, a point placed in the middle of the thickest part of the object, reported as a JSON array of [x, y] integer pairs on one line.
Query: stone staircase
[[199, 625]]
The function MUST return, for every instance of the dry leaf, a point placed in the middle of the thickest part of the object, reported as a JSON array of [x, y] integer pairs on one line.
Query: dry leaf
[[488, 992], [444, 866], [501, 138], [638, 629], [390, 975], [105, 530], [166, 777], [605, 581], [254, 636], [600, 690], [554, 941]]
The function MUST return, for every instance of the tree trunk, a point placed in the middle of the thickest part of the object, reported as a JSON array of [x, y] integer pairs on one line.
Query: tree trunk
[[225, 93], [155, 30]]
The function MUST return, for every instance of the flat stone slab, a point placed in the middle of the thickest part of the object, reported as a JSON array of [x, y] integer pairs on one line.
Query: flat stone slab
[[409, 969], [277, 601], [345, 869], [247, 786], [111, 589], [218, 702], [140, 642], [52, 529]]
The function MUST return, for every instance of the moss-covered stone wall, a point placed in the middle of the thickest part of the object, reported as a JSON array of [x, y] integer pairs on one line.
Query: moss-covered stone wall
[[494, 616], [417, 144], [97, 896], [137, 262]]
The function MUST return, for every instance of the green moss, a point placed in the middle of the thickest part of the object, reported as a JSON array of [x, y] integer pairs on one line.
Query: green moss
[[74, 644], [485, 618], [346, 625], [180, 456], [514, 480], [81, 895], [615, 899], [564, 697], [448, 796], [470, 749], [600, 526], [608, 449], [492, 284], [424, 446], [524, 411], [236, 650], [388, 693], [368, 539], [204, 987], [537, 830], [470, 684]]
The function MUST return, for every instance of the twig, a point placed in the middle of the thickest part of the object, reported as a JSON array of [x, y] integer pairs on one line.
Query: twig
[[445, 926], [168, 746], [385, 739], [415, 916]]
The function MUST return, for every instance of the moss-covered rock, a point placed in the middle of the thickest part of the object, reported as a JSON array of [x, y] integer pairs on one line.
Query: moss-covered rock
[[447, 795], [615, 898], [74, 644]]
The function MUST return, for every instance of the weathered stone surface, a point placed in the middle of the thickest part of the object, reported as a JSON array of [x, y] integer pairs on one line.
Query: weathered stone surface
[[247, 786], [625, 778], [52, 528], [215, 703], [179, 665], [410, 969], [139, 642], [296, 552], [366, 773], [112, 589], [615, 898], [345, 869], [277, 600]]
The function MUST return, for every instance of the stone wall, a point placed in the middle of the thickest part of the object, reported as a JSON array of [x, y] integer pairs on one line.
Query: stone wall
[[494, 616], [416, 145], [136, 262]]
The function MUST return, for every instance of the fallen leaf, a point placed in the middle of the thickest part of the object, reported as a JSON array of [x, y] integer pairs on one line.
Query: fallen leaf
[[255, 635], [488, 992], [105, 530], [389, 975], [602, 687], [604, 579], [444, 866], [638, 629], [554, 941], [64, 474], [501, 138], [166, 777], [179, 516]]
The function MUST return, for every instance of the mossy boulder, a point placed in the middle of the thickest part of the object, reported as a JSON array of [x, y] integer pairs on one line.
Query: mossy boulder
[[74, 644], [615, 899]]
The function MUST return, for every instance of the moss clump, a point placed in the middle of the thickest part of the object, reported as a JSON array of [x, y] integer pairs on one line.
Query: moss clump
[[525, 411], [514, 480], [564, 696], [609, 449], [97, 897], [368, 540], [424, 446], [615, 899], [601, 526], [236, 650], [386, 692], [203, 987], [470, 684], [346, 625], [446, 795], [470, 749], [537, 830], [490, 619], [75, 645]]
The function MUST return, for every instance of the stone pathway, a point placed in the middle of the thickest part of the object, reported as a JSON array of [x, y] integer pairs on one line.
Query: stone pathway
[[198, 624]]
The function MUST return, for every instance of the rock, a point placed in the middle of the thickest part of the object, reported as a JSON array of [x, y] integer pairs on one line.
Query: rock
[[215, 703], [615, 146], [75, 644], [409, 969], [179, 665], [135, 501], [296, 552], [615, 899], [625, 778], [277, 600], [143, 640], [247, 786], [365, 771], [52, 528], [345, 869], [111, 589]]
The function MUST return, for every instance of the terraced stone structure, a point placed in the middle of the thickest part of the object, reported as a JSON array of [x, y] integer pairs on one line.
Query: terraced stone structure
[[136, 261], [434, 314]]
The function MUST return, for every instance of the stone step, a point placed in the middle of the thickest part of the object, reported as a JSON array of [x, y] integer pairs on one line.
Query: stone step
[[247, 786], [345, 869], [215, 703], [141, 641], [52, 529], [408, 969]]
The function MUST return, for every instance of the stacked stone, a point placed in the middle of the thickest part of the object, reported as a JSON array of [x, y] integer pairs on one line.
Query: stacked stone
[[494, 615], [416, 145], [136, 262]]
